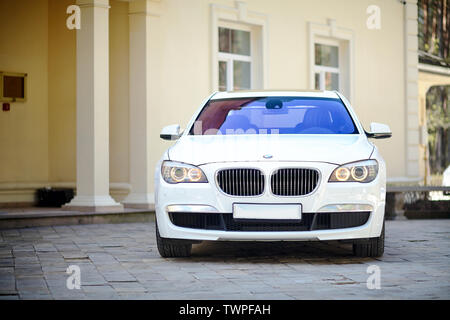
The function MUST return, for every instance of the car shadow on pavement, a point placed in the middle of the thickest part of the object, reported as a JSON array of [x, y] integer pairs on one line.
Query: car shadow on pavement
[[295, 251]]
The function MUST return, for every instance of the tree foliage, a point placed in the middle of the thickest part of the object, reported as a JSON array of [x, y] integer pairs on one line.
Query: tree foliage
[[434, 28], [438, 123]]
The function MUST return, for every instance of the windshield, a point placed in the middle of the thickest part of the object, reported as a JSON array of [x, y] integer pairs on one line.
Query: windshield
[[274, 115]]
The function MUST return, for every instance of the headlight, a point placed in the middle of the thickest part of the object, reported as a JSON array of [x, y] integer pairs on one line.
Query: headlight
[[362, 171], [177, 172]]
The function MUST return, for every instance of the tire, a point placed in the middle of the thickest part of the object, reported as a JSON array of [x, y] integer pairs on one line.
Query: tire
[[373, 248], [172, 248]]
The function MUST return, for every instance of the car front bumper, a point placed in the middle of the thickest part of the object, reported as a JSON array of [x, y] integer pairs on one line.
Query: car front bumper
[[207, 201]]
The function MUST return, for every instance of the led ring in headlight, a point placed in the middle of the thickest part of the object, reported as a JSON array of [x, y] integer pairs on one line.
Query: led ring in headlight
[[342, 174], [178, 174], [359, 173], [195, 174]]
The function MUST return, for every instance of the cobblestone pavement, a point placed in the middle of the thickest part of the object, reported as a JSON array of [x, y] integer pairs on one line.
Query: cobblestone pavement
[[120, 261]]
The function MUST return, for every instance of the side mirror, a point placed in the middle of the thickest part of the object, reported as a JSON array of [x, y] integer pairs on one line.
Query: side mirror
[[379, 131], [171, 132]]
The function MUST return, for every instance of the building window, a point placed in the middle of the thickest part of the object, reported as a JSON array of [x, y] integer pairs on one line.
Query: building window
[[326, 66], [235, 59], [331, 52]]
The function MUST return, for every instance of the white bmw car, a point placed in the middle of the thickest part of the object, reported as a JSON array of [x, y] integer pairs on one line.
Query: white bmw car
[[271, 165]]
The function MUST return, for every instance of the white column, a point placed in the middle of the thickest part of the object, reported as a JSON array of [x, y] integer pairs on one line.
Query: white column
[[411, 90], [93, 110], [140, 165]]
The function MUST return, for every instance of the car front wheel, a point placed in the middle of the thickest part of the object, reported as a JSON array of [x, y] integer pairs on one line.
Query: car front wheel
[[373, 247], [172, 248]]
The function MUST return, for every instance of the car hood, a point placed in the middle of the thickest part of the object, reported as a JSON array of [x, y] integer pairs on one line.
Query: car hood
[[338, 149]]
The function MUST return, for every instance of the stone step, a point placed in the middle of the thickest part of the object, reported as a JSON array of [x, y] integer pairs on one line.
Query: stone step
[[11, 218]]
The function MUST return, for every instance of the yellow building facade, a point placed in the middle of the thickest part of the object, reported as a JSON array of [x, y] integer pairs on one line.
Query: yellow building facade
[[97, 97]]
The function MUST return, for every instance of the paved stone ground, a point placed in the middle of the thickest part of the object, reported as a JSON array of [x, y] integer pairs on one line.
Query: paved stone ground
[[120, 261]]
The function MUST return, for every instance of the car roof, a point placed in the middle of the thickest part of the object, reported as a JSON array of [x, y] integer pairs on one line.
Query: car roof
[[274, 93]]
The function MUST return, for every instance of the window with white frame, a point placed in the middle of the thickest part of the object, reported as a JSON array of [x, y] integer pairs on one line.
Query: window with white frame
[[235, 59], [327, 72]]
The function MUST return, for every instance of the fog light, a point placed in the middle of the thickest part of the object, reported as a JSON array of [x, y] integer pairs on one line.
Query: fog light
[[346, 207]]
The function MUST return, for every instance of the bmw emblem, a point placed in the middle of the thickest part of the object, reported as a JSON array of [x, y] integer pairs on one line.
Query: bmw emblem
[[267, 156]]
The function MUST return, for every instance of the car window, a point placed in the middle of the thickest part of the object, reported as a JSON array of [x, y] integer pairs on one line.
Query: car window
[[274, 115]]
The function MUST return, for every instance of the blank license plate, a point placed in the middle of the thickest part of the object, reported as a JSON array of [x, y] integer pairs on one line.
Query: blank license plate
[[267, 211]]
